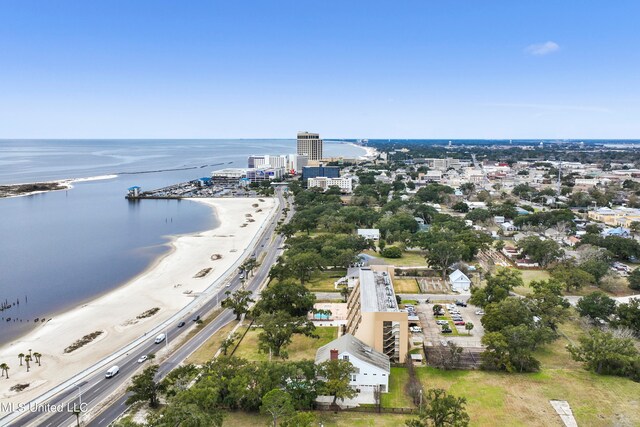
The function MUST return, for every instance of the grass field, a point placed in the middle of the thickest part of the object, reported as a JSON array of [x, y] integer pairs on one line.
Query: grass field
[[300, 348], [406, 286], [211, 346], [409, 259], [529, 276], [323, 281], [523, 399], [397, 398]]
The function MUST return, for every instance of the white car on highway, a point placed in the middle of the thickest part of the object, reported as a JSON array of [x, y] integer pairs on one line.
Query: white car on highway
[[142, 359]]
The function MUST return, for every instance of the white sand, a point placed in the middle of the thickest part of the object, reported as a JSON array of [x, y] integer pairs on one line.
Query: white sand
[[115, 313], [66, 184]]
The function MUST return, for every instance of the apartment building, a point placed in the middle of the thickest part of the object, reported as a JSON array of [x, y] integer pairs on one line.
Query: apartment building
[[373, 315]]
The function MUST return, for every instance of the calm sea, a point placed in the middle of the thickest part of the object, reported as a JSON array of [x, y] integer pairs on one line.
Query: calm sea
[[60, 249]]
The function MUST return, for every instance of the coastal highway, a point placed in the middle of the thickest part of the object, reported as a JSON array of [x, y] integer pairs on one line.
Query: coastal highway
[[96, 391]]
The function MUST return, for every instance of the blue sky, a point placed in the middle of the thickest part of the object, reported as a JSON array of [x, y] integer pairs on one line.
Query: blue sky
[[359, 69]]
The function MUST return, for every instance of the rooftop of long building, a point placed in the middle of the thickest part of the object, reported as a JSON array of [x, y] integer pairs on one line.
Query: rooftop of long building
[[376, 291]]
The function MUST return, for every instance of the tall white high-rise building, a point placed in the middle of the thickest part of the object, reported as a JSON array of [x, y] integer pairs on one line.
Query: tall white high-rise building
[[310, 145]]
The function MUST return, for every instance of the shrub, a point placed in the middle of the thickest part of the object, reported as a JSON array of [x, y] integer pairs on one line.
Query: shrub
[[392, 252]]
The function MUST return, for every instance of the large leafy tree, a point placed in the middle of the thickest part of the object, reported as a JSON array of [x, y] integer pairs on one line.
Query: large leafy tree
[[574, 278], [441, 255], [547, 303], [634, 279], [603, 353], [277, 404], [628, 315], [194, 407], [498, 287], [508, 312], [337, 377], [289, 296], [144, 387], [441, 410], [278, 329], [510, 350], [303, 265], [596, 305], [238, 302], [543, 252]]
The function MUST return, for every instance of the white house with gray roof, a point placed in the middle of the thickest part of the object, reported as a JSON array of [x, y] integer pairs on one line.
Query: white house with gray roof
[[372, 368], [459, 281]]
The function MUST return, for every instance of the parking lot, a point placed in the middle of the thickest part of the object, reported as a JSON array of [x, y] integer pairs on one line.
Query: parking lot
[[432, 332]]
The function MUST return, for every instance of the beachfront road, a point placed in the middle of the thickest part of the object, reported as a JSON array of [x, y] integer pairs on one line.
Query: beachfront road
[[108, 394]]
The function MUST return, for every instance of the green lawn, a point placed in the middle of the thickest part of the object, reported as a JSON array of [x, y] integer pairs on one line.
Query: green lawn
[[523, 399], [207, 350], [300, 348], [323, 281], [397, 398], [529, 276], [409, 259], [405, 286]]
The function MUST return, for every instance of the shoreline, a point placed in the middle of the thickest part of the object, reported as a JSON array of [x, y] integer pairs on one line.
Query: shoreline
[[369, 152], [65, 184], [168, 283]]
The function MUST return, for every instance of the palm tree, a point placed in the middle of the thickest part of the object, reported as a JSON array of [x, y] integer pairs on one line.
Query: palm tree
[[21, 356], [5, 369], [27, 359], [37, 356]]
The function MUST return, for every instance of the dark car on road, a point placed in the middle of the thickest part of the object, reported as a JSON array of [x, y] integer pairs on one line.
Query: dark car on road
[[196, 318], [180, 325]]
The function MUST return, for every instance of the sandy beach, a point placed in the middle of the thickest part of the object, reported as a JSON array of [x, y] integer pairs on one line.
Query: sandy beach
[[168, 284]]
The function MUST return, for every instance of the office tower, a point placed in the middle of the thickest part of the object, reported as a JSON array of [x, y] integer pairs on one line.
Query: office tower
[[310, 145]]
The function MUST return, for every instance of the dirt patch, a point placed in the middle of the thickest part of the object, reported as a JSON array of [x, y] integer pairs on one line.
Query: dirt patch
[[18, 387], [148, 313], [83, 341], [203, 273]]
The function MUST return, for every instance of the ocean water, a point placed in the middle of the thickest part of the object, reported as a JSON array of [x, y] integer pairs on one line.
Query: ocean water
[[61, 249]]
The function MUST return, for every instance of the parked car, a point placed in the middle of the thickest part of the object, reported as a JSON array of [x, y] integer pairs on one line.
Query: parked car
[[440, 313], [459, 322], [442, 322], [447, 331], [461, 303], [479, 312], [415, 329], [456, 318]]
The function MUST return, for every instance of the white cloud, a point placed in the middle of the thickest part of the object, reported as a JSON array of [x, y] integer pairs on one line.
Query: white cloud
[[540, 49]]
